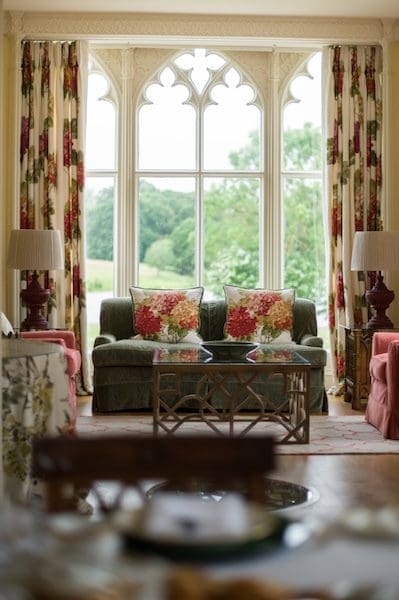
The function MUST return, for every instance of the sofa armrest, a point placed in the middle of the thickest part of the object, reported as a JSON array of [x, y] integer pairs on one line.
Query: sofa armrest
[[51, 334], [104, 338], [311, 340], [116, 317], [382, 340], [51, 340], [305, 322]]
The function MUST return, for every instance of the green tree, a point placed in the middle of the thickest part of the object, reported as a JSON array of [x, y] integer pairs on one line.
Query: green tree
[[100, 226], [160, 213], [232, 233], [160, 254], [304, 236], [232, 223], [304, 267], [183, 243], [302, 148]]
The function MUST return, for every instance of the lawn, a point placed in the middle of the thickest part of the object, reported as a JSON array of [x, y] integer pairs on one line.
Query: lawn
[[100, 277], [100, 281]]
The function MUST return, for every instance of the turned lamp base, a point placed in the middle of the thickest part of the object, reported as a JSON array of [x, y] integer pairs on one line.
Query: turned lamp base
[[35, 297], [379, 298]]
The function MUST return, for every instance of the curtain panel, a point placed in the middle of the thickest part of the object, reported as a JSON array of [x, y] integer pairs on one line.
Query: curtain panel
[[354, 167], [53, 90]]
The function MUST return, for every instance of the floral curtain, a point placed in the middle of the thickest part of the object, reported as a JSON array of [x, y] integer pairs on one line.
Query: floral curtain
[[53, 86], [354, 132]]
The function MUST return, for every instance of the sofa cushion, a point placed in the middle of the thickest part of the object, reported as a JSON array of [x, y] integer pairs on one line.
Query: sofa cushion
[[259, 315], [213, 319], [136, 352], [167, 315]]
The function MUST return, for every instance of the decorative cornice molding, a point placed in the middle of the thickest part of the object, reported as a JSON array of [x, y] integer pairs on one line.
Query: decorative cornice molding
[[177, 27], [14, 22]]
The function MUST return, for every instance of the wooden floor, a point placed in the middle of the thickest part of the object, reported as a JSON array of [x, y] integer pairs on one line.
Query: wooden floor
[[338, 481]]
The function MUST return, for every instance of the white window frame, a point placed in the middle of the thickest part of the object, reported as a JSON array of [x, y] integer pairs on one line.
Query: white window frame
[[271, 211], [288, 97], [114, 173]]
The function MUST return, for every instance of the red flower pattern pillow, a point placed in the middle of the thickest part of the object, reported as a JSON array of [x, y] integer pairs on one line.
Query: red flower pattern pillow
[[167, 315], [258, 315]]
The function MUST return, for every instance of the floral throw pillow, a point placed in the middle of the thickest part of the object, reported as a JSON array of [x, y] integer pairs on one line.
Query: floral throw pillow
[[167, 315], [258, 315]]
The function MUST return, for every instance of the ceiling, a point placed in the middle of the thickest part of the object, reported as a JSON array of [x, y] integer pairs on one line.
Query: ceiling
[[326, 8]]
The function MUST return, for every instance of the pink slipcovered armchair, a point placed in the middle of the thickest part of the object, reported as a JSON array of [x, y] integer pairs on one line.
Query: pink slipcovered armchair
[[73, 357], [383, 403]]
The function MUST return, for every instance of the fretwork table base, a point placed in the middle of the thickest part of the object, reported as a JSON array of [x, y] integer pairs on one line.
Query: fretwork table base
[[242, 407]]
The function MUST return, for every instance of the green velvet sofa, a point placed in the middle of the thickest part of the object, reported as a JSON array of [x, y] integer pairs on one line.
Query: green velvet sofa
[[122, 379]]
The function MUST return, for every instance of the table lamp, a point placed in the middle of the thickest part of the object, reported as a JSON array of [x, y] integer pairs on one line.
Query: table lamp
[[377, 251], [35, 250]]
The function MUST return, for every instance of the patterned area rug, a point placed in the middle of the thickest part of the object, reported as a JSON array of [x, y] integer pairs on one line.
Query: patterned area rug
[[328, 435]]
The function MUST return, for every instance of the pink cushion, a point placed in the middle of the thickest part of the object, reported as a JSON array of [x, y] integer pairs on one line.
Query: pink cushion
[[378, 366]]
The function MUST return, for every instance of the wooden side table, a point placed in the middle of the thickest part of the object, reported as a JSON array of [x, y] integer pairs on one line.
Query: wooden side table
[[357, 357]]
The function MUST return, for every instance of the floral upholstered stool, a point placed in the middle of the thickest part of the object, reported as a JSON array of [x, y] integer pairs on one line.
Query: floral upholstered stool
[[36, 402]]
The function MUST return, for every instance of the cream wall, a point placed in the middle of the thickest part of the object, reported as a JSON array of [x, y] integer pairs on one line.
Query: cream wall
[[180, 30], [392, 160], [4, 178], [8, 204], [3, 94]]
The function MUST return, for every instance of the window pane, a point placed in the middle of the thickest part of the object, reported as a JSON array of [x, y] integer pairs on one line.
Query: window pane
[[167, 126], [167, 232], [231, 232], [230, 124], [101, 126], [304, 256], [200, 64], [99, 224], [302, 121]]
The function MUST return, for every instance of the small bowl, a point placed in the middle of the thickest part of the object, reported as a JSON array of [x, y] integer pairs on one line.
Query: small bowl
[[229, 351]]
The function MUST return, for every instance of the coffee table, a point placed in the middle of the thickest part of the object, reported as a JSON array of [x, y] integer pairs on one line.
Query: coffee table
[[237, 385]]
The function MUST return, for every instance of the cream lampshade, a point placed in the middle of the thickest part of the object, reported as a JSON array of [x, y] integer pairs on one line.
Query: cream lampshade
[[35, 250], [377, 251]]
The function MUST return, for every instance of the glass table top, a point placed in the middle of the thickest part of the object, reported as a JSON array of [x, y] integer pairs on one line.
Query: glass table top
[[230, 354]]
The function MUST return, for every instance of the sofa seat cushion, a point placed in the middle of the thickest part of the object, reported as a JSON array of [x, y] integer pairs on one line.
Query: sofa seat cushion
[[136, 352], [378, 366], [133, 352]]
